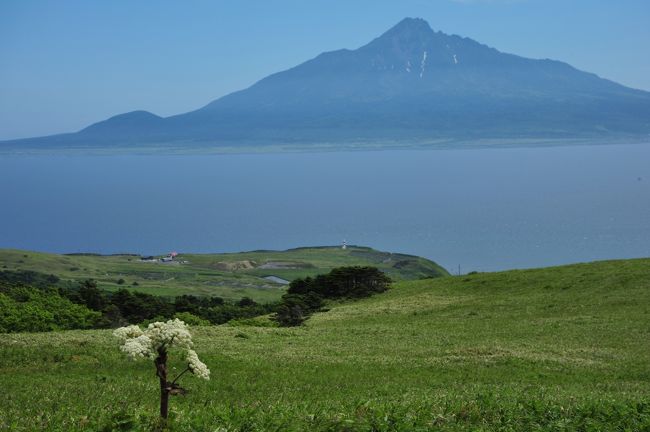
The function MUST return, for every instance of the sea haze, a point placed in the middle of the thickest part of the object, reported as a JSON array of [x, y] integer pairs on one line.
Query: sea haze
[[482, 209]]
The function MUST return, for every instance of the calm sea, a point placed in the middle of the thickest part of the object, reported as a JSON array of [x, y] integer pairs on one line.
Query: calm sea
[[482, 209]]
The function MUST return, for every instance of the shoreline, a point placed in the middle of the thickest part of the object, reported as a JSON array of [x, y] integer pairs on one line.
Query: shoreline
[[442, 144]]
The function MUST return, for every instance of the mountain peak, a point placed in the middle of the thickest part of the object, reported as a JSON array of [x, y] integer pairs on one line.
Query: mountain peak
[[409, 28], [409, 37]]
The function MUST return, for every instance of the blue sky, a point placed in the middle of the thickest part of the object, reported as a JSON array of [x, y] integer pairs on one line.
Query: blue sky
[[67, 64]]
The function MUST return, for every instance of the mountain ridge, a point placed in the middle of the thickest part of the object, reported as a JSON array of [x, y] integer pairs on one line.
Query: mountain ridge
[[409, 83]]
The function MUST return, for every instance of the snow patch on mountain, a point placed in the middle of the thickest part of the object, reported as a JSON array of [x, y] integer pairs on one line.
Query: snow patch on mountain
[[423, 63]]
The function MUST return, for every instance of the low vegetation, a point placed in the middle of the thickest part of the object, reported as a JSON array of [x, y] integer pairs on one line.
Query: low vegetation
[[560, 349]]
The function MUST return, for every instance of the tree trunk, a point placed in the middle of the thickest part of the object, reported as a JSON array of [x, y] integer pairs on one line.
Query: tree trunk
[[161, 371]]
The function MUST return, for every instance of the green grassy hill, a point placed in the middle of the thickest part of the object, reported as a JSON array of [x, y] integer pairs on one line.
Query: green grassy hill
[[562, 348], [231, 276]]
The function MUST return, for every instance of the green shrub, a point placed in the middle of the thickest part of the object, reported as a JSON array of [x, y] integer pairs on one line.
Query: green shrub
[[24, 309], [192, 319]]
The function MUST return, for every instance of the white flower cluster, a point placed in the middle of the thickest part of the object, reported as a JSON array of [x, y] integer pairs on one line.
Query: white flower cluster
[[138, 347], [137, 343], [124, 333], [197, 367], [170, 333]]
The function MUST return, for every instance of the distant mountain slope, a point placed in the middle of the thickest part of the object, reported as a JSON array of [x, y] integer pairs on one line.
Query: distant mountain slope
[[411, 83]]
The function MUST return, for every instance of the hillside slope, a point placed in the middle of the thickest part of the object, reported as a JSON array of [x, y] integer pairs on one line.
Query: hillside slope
[[563, 348], [230, 276]]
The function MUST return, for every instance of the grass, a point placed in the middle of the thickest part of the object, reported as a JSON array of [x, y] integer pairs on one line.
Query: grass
[[211, 274], [563, 348]]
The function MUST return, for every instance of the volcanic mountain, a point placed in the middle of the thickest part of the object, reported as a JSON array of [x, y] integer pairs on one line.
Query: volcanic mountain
[[409, 84]]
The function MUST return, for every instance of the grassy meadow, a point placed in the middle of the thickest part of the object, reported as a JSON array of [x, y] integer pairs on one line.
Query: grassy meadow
[[230, 275], [564, 348]]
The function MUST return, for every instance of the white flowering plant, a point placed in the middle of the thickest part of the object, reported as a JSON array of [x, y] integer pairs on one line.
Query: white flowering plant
[[154, 343]]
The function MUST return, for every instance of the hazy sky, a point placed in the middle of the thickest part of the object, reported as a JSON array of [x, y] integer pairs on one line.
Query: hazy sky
[[66, 64]]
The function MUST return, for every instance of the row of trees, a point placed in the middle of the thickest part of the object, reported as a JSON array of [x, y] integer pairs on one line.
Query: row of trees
[[31, 301]]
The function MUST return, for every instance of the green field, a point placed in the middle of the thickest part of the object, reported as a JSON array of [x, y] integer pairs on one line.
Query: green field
[[563, 348], [231, 276]]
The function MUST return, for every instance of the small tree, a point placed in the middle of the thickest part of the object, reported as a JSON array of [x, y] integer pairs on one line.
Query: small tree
[[92, 296], [290, 314], [154, 343]]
